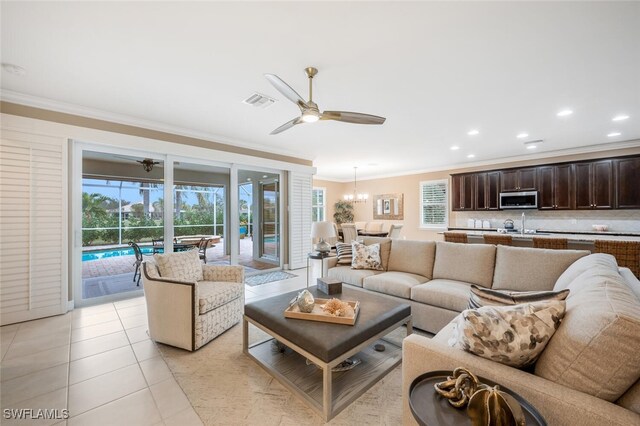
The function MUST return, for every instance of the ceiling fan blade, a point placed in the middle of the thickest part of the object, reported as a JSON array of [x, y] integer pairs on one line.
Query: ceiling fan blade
[[286, 90], [352, 117], [287, 125]]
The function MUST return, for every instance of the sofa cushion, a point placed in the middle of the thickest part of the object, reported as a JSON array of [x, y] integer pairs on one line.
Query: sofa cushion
[[529, 269], [596, 350], [350, 276], [481, 296], [513, 335], [366, 257], [415, 257], [631, 398], [470, 263], [394, 283], [184, 266], [213, 294], [584, 264], [345, 253], [385, 248], [447, 294]]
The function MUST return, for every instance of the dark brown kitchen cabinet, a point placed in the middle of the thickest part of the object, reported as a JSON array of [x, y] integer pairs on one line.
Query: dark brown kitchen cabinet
[[594, 185], [462, 192], [554, 187], [487, 191], [518, 180], [627, 177]]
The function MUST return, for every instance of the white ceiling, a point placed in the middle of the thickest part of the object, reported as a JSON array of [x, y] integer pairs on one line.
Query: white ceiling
[[435, 70]]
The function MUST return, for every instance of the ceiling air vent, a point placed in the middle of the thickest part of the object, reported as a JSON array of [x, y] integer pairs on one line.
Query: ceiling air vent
[[535, 142], [259, 101]]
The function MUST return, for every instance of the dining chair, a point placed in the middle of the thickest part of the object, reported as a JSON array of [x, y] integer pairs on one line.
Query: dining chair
[[349, 232], [394, 230]]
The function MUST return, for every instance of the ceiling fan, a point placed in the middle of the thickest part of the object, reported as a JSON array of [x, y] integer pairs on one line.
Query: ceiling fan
[[147, 164], [309, 109]]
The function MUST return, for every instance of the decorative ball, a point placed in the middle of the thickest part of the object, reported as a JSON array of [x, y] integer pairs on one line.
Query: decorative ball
[[306, 301], [492, 407]]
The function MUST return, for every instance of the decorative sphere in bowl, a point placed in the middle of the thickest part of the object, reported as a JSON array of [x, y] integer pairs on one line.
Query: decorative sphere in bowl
[[600, 228]]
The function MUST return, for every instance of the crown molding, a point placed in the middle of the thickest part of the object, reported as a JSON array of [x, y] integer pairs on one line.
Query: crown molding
[[67, 108], [632, 143]]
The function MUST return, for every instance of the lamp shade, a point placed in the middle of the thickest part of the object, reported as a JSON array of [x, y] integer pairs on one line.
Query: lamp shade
[[322, 230]]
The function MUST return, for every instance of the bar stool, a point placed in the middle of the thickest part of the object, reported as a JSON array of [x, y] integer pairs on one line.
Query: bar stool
[[505, 240], [550, 243], [627, 253], [456, 237]]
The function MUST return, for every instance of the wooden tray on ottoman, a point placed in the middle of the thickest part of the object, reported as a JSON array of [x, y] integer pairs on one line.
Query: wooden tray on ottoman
[[319, 315]]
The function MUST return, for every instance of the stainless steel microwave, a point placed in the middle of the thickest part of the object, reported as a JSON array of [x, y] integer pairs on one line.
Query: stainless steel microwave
[[519, 200]]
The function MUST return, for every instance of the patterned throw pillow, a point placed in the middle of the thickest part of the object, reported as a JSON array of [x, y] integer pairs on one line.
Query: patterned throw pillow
[[345, 253], [512, 335], [366, 257], [481, 296], [183, 266]]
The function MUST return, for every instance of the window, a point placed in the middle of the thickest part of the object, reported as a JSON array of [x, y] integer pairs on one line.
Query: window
[[433, 204], [318, 208]]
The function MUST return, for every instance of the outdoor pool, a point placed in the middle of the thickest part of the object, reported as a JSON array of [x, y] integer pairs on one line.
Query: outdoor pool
[[103, 254]]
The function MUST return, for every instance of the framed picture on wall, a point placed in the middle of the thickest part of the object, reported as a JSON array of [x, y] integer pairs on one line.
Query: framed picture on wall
[[388, 207]]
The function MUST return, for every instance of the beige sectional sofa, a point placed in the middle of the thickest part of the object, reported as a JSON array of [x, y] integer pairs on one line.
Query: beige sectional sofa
[[590, 370]]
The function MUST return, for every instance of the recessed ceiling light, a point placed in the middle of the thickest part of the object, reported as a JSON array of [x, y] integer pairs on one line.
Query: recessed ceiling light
[[14, 69], [454, 148], [621, 117], [531, 146], [264, 176], [473, 132], [522, 135], [248, 179], [614, 134], [471, 156], [373, 164], [564, 113]]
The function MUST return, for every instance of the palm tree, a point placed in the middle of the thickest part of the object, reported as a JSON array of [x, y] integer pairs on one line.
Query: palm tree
[[93, 205]]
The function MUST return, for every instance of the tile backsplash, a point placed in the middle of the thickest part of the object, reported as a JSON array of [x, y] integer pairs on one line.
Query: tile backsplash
[[555, 220]]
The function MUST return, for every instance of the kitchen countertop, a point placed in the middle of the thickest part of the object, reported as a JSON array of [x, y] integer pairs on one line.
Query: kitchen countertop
[[554, 231], [578, 237]]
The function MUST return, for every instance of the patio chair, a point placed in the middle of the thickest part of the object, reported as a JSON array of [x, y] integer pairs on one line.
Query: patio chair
[[138, 254], [189, 303], [202, 248], [158, 245]]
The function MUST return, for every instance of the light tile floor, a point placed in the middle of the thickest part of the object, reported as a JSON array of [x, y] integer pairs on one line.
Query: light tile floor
[[99, 363]]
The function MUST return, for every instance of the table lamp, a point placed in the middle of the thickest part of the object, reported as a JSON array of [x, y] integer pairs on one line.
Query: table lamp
[[322, 230]]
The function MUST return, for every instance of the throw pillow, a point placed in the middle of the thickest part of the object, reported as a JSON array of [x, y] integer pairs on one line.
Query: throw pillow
[[183, 266], [345, 253], [481, 296], [366, 257], [512, 335]]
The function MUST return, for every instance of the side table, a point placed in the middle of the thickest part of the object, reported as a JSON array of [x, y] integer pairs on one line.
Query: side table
[[429, 408], [317, 256]]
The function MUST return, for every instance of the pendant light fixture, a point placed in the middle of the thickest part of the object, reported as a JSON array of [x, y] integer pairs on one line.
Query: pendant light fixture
[[356, 197]]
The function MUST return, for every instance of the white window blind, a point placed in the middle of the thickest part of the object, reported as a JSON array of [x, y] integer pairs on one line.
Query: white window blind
[[434, 204], [318, 206], [300, 188], [33, 226]]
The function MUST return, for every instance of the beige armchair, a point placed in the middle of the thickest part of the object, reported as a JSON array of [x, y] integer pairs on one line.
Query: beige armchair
[[187, 314]]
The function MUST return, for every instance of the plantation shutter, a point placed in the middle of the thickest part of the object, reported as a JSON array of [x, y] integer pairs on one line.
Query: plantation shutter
[[434, 203], [33, 226], [300, 189]]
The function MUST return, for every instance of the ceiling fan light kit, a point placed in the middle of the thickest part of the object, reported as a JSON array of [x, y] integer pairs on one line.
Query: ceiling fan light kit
[[310, 113], [147, 164]]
